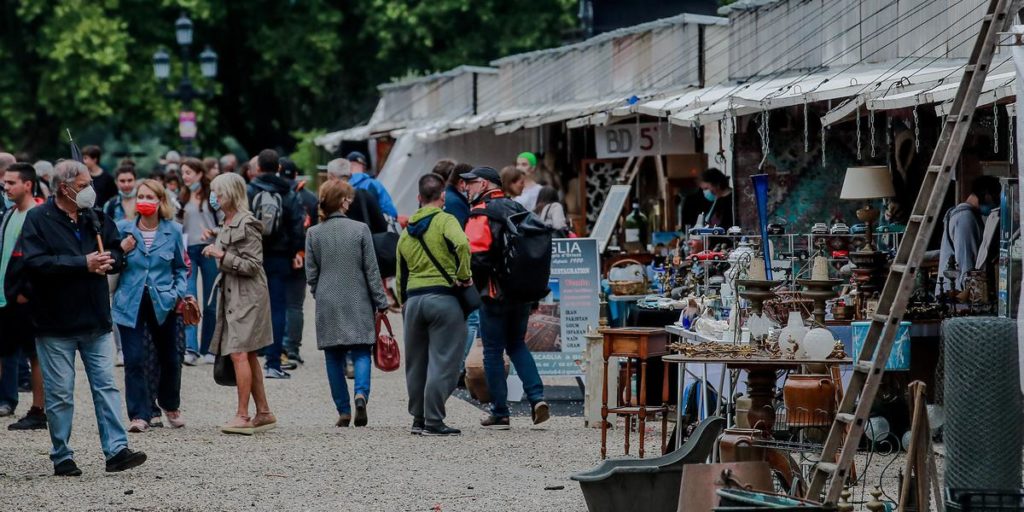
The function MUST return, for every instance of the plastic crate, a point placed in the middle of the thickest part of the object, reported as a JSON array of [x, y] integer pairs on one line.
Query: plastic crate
[[976, 500]]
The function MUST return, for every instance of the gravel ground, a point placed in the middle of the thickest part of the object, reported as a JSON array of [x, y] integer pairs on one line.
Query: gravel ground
[[306, 463]]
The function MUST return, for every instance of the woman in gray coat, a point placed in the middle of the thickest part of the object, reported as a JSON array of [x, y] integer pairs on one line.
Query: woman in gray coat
[[341, 269]]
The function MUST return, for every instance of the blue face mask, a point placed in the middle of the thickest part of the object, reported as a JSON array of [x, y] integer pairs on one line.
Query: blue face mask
[[8, 204], [126, 195], [195, 186], [985, 209], [710, 196], [214, 203]]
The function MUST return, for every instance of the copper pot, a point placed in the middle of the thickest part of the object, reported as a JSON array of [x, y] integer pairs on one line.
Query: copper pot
[[810, 400], [737, 445]]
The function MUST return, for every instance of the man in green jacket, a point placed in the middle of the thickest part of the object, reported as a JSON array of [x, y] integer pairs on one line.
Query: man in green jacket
[[433, 260]]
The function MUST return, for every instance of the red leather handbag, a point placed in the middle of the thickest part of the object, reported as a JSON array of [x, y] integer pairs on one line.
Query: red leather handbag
[[386, 355]]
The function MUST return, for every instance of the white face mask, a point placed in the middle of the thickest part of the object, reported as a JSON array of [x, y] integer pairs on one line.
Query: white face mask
[[86, 198]]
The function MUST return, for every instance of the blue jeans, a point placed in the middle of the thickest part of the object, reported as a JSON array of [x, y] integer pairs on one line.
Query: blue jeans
[[472, 329], [278, 269], [208, 268], [336, 374], [503, 329], [294, 319], [136, 347], [57, 360]]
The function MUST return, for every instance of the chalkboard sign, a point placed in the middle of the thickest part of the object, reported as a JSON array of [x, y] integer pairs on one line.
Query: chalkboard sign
[[609, 215]]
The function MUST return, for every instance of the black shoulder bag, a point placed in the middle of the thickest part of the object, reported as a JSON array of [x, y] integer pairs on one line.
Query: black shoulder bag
[[468, 296]]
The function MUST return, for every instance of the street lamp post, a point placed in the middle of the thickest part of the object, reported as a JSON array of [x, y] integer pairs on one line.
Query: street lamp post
[[186, 92]]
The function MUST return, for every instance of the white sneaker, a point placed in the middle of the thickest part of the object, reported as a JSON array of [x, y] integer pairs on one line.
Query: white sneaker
[[209, 359], [120, 359], [190, 359]]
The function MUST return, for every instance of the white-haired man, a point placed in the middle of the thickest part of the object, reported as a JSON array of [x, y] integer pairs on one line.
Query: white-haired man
[[69, 248]]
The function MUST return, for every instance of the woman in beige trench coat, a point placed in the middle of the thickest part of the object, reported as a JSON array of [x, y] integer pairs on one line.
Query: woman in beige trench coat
[[243, 306]]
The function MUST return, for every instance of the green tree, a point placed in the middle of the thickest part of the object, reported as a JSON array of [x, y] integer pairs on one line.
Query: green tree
[[285, 67]]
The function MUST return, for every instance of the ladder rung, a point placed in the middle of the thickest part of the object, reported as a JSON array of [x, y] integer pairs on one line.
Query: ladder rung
[[864, 367], [845, 417], [934, 168], [896, 267], [878, 317], [917, 218], [827, 467], [988, 17]]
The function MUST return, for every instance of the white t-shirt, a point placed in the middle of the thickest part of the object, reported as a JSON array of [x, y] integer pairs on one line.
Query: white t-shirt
[[529, 197]]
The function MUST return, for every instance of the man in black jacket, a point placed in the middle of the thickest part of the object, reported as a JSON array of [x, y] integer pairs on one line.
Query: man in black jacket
[[295, 320], [69, 249], [17, 338], [274, 203]]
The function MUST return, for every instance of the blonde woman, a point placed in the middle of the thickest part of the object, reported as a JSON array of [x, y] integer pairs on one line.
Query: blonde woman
[[152, 282], [243, 303]]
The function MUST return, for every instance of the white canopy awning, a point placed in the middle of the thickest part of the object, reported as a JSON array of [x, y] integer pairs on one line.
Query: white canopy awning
[[702, 106]]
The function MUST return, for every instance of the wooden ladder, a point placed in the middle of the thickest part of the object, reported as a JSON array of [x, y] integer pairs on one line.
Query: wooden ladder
[[833, 469]]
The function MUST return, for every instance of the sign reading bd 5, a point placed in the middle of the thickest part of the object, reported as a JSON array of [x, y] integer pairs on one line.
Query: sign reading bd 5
[[643, 139]]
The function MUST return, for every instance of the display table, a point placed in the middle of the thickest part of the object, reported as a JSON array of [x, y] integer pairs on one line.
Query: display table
[[761, 375]]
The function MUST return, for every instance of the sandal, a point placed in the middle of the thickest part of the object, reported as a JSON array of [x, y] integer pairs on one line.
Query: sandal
[[240, 425]]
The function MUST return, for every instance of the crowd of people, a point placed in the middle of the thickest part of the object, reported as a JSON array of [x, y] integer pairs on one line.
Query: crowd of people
[[118, 259]]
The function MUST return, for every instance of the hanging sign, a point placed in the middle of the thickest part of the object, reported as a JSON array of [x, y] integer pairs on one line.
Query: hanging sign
[[643, 139], [187, 125]]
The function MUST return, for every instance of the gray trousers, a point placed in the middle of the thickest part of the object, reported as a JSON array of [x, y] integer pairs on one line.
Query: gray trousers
[[435, 335]]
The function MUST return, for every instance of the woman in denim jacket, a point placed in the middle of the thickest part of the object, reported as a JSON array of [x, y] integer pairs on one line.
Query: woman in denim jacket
[[152, 282]]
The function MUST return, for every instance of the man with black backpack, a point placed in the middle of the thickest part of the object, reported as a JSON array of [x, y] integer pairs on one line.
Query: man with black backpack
[[279, 208], [511, 264]]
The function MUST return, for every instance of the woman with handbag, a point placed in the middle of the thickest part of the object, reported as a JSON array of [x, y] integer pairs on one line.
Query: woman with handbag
[[199, 223], [151, 284], [243, 305], [341, 269]]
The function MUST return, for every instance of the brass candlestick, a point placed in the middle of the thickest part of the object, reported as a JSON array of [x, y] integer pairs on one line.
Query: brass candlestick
[[819, 290], [757, 291]]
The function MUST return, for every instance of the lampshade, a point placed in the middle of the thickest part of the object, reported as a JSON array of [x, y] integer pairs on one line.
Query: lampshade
[[183, 30], [871, 182]]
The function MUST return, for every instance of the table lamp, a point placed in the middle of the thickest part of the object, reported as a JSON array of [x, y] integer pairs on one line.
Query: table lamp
[[870, 182]]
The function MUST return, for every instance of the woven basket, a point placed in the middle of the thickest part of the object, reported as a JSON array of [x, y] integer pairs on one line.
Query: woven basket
[[630, 287]]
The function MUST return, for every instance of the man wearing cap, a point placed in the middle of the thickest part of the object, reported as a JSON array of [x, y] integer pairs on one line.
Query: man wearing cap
[[503, 322], [361, 180], [527, 162]]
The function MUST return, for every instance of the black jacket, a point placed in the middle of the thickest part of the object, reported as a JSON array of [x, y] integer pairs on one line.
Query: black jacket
[[15, 279], [364, 208], [291, 236], [68, 300]]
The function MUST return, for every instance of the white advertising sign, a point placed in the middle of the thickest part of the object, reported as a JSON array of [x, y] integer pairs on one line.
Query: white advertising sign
[[643, 139]]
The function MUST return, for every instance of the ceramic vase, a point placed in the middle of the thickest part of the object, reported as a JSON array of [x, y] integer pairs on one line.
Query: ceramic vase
[[793, 333]]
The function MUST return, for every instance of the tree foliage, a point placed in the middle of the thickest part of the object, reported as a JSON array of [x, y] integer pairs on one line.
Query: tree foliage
[[285, 66]]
